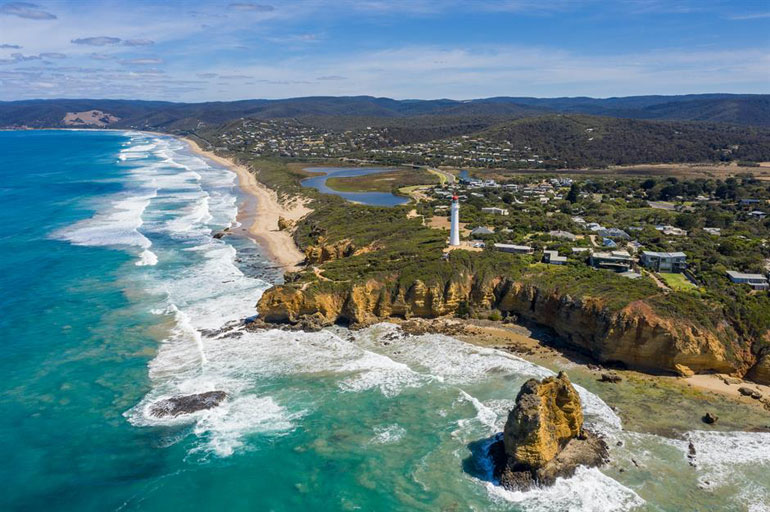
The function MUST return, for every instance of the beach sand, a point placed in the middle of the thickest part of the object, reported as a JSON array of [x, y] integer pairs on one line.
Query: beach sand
[[260, 216]]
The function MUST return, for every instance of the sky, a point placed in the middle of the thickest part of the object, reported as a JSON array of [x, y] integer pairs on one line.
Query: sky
[[420, 49]]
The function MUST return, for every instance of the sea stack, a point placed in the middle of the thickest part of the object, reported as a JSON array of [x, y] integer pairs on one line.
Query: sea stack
[[544, 436]]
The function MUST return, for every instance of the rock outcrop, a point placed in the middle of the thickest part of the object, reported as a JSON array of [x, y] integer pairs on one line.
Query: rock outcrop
[[760, 372], [635, 335], [544, 437], [321, 251], [187, 404]]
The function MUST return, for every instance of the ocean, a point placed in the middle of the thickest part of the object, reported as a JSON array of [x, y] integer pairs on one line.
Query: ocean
[[115, 295]]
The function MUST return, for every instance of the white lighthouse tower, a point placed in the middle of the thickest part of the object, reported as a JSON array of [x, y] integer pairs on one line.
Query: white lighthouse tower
[[454, 232]]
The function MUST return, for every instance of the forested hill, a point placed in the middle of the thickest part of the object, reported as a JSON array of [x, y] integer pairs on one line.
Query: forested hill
[[350, 112], [580, 140]]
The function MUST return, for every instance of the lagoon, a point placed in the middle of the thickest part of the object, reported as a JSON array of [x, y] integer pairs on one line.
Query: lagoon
[[367, 198]]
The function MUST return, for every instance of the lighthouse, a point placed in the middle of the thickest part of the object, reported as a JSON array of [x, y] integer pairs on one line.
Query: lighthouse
[[454, 232]]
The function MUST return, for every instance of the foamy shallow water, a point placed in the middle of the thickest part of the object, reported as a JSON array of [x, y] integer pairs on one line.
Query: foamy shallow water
[[356, 420]]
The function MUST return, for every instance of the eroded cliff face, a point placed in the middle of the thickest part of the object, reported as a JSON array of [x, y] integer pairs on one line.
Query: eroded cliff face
[[635, 335], [322, 251]]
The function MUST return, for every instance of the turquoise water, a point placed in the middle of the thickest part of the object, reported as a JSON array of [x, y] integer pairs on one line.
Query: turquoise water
[[369, 198], [116, 295]]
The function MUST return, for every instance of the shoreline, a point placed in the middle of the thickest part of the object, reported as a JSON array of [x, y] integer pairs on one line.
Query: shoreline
[[679, 403], [259, 214]]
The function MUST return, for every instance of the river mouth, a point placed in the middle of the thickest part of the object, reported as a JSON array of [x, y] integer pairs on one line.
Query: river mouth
[[367, 198]]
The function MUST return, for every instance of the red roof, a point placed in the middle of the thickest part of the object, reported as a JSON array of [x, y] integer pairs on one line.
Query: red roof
[[455, 198]]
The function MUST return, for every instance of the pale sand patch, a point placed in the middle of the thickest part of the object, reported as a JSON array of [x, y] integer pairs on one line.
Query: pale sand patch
[[716, 384], [262, 219]]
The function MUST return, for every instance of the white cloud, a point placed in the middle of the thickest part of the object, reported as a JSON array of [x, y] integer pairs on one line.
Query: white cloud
[[26, 10], [97, 41]]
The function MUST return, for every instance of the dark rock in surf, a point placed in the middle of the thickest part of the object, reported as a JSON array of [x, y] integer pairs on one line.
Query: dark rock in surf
[[710, 418], [187, 404]]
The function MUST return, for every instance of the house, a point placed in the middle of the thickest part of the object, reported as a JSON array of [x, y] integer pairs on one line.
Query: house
[[664, 261], [514, 249], [495, 211], [481, 230], [593, 226], [617, 261], [757, 214], [746, 202], [552, 257], [579, 250], [713, 231], [756, 281], [608, 242], [669, 230], [613, 233], [566, 235]]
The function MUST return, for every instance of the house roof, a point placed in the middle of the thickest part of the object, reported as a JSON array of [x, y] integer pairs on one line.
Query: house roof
[[664, 254]]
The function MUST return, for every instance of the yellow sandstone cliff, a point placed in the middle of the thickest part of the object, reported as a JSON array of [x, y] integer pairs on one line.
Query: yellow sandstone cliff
[[635, 335]]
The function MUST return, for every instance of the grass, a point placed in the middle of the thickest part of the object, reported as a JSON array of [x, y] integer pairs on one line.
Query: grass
[[441, 177], [677, 282], [389, 181]]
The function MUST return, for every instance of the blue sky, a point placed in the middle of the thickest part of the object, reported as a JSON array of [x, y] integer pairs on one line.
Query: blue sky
[[227, 50]]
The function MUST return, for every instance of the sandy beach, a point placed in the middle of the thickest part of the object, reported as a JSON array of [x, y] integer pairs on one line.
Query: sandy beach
[[260, 216]]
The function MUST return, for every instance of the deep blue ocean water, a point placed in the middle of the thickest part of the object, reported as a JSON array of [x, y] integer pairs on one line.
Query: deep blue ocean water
[[115, 295]]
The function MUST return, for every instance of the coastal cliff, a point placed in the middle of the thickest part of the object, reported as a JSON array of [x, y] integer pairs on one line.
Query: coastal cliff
[[637, 335]]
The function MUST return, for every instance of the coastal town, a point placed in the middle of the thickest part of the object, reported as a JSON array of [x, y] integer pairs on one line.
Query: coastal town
[[379, 145], [650, 242]]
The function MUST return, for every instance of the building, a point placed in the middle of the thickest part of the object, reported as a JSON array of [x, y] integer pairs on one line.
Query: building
[[481, 231], [514, 249], [566, 235], [756, 281], [495, 211], [615, 233], [454, 232], [664, 261], [552, 257], [713, 231], [757, 214], [669, 230], [617, 261]]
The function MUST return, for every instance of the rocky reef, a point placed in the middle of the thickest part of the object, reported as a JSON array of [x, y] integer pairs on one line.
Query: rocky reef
[[638, 335], [544, 438], [187, 404]]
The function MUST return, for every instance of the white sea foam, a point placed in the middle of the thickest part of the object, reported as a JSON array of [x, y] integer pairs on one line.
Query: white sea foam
[[147, 258], [589, 490], [720, 454], [387, 434], [115, 225]]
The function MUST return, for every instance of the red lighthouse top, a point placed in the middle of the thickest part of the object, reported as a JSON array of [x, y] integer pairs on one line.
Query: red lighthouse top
[[455, 198]]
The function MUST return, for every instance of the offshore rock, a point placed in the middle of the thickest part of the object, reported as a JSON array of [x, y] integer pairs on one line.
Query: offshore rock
[[544, 437], [177, 405]]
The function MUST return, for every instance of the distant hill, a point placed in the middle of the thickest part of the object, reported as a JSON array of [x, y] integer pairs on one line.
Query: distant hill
[[581, 140], [442, 115]]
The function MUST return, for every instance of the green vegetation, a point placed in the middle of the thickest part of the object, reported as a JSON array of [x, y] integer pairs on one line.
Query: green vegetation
[[677, 282], [391, 181]]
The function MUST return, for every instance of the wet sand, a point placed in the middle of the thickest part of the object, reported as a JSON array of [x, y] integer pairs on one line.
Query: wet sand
[[260, 216]]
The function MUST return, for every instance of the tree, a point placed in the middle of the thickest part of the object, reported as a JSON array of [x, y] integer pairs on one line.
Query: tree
[[574, 192]]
